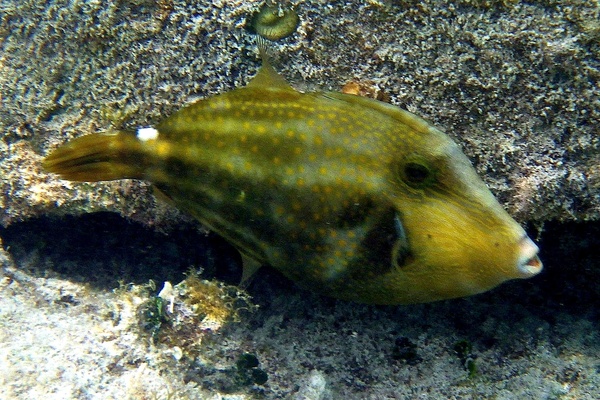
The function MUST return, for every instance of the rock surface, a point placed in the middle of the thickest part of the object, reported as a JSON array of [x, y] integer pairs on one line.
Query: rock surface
[[516, 84]]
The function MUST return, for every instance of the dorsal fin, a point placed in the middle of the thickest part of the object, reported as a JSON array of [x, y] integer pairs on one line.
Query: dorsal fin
[[267, 77]]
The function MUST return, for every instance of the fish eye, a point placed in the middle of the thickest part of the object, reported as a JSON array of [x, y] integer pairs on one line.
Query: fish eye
[[417, 173]]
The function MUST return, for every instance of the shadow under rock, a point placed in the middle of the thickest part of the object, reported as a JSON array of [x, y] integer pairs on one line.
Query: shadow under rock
[[570, 252], [103, 248], [568, 283]]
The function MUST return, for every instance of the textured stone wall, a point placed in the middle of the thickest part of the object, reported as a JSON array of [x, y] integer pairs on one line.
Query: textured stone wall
[[516, 84]]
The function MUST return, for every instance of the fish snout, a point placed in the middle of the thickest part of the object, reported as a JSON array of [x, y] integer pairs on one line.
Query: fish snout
[[528, 262]]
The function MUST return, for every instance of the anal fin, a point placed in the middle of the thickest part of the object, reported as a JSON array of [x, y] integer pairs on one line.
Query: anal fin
[[162, 196], [250, 266]]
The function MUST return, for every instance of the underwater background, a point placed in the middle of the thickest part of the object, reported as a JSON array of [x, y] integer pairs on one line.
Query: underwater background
[[515, 83]]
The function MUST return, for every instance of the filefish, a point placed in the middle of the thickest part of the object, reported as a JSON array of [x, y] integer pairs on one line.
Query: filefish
[[346, 196]]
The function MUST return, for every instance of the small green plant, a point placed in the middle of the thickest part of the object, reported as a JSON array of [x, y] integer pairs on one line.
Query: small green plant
[[247, 371], [471, 368], [152, 313], [153, 316], [406, 351], [463, 349]]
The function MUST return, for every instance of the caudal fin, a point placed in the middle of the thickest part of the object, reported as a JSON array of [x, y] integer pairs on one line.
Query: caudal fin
[[98, 157]]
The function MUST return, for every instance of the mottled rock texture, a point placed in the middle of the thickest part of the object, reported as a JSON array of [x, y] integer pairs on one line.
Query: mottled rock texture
[[515, 83]]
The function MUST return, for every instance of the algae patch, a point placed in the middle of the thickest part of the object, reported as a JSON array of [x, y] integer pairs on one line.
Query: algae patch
[[179, 316]]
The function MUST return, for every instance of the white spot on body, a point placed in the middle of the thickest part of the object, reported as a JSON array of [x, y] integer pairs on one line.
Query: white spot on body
[[145, 134]]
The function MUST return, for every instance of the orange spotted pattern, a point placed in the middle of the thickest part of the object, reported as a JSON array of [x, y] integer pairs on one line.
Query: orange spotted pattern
[[345, 195]]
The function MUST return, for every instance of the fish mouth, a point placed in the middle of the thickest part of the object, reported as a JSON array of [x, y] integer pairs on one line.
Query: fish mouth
[[528, 263]]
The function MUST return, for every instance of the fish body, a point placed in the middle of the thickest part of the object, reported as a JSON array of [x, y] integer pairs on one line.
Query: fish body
[[346, 196]]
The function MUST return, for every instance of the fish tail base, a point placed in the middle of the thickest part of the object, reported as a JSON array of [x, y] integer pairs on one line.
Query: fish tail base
[[98, 157]]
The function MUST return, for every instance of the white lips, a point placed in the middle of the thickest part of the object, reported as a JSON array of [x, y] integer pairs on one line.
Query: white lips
[[528, 263]]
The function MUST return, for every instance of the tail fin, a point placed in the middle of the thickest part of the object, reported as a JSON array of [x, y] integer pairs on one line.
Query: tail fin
[[99, 157]]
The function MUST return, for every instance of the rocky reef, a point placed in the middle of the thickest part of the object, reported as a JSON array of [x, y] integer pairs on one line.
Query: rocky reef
[[516, 84]]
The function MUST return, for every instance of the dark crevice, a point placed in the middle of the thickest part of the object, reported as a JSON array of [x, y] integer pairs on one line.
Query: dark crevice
[[571, 255], [103, 249]]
